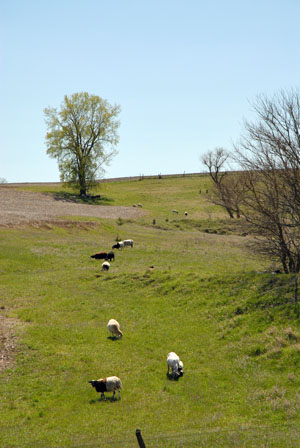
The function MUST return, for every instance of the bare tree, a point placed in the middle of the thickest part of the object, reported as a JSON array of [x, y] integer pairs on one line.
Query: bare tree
[[222, 191], [269, 155]]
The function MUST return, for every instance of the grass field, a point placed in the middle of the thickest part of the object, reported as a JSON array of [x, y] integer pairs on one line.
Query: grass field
[[209, 299]]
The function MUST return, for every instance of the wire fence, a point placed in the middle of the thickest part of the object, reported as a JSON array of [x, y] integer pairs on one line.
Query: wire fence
[[287, 436], [115, 179], [258, 436], [153, 176]]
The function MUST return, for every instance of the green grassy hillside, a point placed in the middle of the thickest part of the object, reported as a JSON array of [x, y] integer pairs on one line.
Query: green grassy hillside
[[235, 327]]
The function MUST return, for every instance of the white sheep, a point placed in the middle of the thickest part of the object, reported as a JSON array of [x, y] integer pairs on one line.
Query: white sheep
[[114, 328], [175, 211], [109, 384], [105, 266], [185, 213], [174, 363], [128, 243]]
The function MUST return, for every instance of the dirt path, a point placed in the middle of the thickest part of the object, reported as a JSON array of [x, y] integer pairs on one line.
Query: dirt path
[[19, 208]]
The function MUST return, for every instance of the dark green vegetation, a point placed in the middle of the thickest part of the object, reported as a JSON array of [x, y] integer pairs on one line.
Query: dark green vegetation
[[208, 299]]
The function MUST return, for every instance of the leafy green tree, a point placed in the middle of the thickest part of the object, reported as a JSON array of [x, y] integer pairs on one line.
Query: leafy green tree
[[82, 136]]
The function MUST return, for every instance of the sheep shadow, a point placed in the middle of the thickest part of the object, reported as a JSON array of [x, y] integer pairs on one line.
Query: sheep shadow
[[113, 338], [103, 400], [173, 377]]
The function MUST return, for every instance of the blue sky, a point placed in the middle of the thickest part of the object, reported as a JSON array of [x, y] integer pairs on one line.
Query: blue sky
[[182, 72]]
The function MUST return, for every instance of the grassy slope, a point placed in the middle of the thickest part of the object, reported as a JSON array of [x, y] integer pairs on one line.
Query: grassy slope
[[235, 329]]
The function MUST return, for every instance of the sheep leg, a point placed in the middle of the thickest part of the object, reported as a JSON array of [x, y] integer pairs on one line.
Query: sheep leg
[[119, 394], [102, 395], [113, 396]]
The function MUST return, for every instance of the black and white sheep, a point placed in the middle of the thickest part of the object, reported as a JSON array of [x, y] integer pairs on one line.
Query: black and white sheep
[[128, 243], [174, 363], [109, 384], [118, 245], [175, 212], [113, 327], [185, 213], [105, 266]]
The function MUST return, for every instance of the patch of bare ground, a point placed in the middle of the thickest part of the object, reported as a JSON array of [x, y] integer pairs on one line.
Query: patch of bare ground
[[8, 342], [22, 208]]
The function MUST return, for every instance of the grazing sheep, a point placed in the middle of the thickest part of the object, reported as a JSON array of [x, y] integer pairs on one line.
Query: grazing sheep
[[114, 328], [100, 256], [109, 384], [174, 363], [134, 205], [128, 243], [118, 245], [105, 266], [185, 213], [140, 205], [110, 256], [175, 211]]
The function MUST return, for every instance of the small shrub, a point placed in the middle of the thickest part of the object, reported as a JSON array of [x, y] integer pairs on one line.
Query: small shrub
[[257, 351], [239, 310]]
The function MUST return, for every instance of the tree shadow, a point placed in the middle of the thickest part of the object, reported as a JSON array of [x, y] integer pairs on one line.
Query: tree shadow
[[77, 199]]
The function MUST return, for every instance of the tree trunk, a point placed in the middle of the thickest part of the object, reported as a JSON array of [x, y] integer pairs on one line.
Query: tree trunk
[[284, 265], [229, 212]]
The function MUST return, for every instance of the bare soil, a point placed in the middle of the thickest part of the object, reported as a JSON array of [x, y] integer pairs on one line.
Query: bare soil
[[20, 208], [8, 342]]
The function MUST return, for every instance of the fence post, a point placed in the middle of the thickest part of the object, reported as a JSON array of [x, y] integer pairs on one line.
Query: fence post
[[140, 438]]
